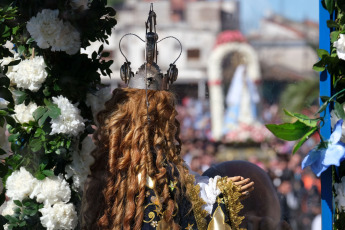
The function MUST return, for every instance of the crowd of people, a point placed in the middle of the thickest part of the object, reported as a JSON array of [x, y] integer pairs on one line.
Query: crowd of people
[[299, 191]]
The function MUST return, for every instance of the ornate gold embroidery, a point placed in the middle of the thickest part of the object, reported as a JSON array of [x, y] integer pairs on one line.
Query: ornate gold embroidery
[[154, 224], [218, 221], [197, 202], [231, 198], [189, 227], [172, 185], [220, 200]]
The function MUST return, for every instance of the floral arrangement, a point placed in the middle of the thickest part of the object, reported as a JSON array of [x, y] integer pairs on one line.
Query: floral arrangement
[[247, 133], [48, 93], [328, 153]]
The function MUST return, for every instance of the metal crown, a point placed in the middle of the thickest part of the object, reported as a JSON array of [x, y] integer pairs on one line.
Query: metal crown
[[149, 75]]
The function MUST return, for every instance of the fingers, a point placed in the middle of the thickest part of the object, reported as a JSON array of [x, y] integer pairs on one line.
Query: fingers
[[235, 178], [245, 185], [248, 187], [242, 182]]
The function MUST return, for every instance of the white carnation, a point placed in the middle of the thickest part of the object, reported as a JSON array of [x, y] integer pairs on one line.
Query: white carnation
[[79, 169], [52, 190], [3, 103], [49, 31], [59, 216], [29, 74], [20, 185], [70, 121], [9, 209], [45, 27], [68, 41], [24, 113], [340, 194], [79, 4], [340, 45]]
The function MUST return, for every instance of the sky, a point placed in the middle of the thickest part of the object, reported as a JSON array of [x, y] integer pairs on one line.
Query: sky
[[253, 10]]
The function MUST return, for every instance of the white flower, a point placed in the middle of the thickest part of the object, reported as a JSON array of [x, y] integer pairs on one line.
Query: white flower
[[209, 193], [79, 169], [70, 121], [3, 103], [96, 101], [20, 185], [334, 120], [49, 31], [9, 209], [340, 194], [68, 40], [23, 113], [59, 216], [79, 4], [29, 74], [45, 27], [52, 190], [340, 45]]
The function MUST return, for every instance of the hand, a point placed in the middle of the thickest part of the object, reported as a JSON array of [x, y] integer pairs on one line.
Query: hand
[[245, 185]]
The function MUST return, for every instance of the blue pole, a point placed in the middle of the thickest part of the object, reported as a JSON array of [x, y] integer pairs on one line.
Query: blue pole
[[325, 90]]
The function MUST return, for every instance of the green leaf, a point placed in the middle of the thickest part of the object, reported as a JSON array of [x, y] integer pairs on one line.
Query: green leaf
[[334, 36], [18, 203], [303, 118], [13, 137], [100, 49], [42, 119], [14, 62], [20, 96], [10, 120], [319, 66], [30, 40], [332, 24], [289, 131], [323, 107], [330, 5], [35, 145], [38, 113], [53, 111], [339, 110], [40, 176], [324, 98], [27, 203], [22, 223], [6, 94], [322, 52], [304, 139], [48, 173]]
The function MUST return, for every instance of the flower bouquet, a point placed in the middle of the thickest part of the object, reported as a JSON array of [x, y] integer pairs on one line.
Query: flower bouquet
[[47, 89]]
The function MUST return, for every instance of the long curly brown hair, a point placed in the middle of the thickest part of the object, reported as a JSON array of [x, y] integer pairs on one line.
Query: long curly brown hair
[[129, 144]]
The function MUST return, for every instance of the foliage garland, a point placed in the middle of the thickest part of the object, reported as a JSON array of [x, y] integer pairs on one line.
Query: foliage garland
[[328, 152], [44, 84]]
